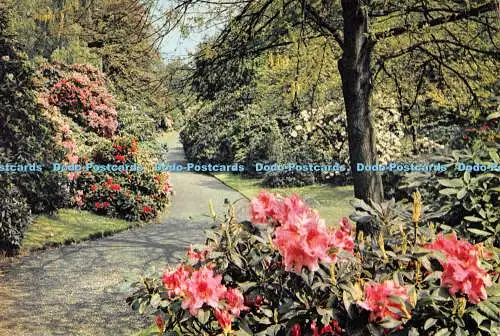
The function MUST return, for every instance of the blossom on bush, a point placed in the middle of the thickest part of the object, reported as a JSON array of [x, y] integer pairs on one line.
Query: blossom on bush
[[224, 318], [203, 287], [380, 300], [301, 235], [263, 207], [132, 195], [303, 243], [235, 301], [79, 92], [461, 270], [175, 281]]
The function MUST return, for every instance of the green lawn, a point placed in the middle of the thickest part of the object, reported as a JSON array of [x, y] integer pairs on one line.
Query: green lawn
[[331, 202], [68, 226]]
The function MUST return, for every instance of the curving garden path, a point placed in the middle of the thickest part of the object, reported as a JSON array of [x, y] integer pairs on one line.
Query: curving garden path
[[74, 290]]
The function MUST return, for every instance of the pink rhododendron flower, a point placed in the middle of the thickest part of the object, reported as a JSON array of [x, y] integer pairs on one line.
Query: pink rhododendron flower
[[303, 243], [202, 288], [303, 238], [235, 301], [224, 318], [292, 209], [378, 300], [461, 269], [263, 207], [342, 239], [301, 235], [175, 281]]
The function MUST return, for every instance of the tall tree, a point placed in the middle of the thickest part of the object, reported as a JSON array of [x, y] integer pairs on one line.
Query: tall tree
[[431, 28]]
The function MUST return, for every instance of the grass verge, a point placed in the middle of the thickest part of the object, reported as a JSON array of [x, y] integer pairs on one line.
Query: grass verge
[[70, 226], [332, 202]]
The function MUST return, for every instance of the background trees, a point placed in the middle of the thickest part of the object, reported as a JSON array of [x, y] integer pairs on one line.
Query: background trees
[[447, 43]]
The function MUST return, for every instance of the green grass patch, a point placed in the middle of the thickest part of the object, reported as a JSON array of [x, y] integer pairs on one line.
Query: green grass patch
[[332, 202], [69, 226]]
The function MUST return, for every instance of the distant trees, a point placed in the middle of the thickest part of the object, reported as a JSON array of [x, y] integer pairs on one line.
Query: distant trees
[[444, 42]]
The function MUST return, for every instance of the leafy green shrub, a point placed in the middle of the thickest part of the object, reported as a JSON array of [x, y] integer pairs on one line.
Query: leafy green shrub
[[127, 194], [15, 217], [286, 273], [135, 121], [252, 134], [285, 179], [465, 201], [27, 132]]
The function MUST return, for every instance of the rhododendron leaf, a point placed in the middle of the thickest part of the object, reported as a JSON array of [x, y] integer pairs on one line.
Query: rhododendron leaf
[[476, 316], [490, 310], [443, 332], [373, 329], [462, 193], [142, 307], [236, 259], [390, 323], [326, 315], [244, 328], [429, 323], [448, 191], [451, 183], [203, 316], [272, 330], [413, 332], [155, 300], [347, 299], [358, 203], [472, 219], [479, 232]]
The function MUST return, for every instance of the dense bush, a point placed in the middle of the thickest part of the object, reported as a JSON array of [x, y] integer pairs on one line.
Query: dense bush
[[286, 273], [15, 216], [79, 91], [284, 179], [132, 195], [252, 134], [26, 131], [135, 122], [465, 201]]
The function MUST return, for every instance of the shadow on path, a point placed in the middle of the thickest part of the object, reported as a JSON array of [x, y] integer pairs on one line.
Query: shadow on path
[[74, 290]]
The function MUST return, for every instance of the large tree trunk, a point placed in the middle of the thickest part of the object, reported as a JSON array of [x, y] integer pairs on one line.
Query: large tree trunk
[[355, 71]]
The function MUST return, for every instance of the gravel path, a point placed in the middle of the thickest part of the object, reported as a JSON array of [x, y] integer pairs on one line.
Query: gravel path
[[74, 290]]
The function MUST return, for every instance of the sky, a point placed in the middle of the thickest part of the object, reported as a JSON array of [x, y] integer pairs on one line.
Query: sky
[[174, 45]]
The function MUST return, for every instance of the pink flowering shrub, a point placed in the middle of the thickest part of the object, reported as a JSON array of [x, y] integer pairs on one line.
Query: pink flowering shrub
[[286, 272], [79, 92]]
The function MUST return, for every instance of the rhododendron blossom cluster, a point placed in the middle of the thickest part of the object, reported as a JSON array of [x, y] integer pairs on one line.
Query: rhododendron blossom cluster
[[80, 93], [301, 236], [461, 269], [380, 298], [199, 287]]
